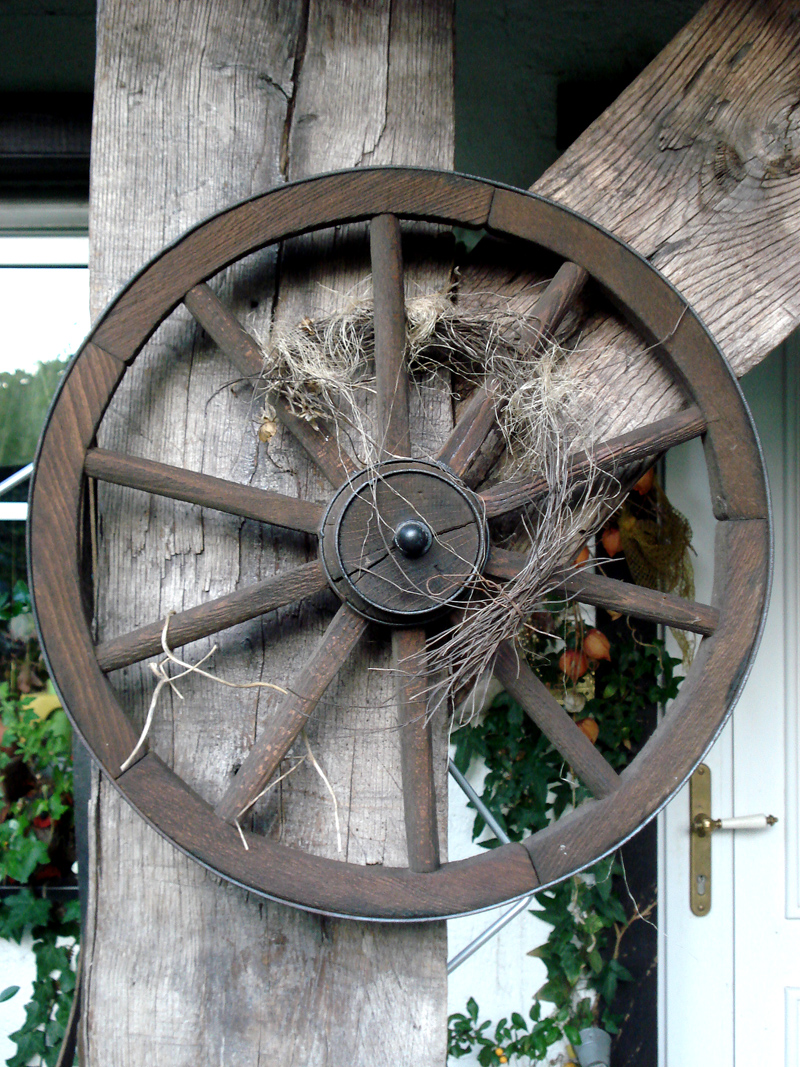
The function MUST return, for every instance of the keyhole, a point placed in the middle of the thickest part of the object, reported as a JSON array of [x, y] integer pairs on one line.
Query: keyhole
[[701, 885]]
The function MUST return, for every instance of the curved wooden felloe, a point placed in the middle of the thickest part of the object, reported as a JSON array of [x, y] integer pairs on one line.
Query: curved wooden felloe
[[426, 889]]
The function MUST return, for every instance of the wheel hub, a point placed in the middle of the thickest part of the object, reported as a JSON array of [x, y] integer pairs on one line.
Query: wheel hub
[[401, 541], [413, 538]]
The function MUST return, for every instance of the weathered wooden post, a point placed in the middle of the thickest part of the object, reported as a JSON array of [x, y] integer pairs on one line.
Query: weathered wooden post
[[210, 102], [198, 106]]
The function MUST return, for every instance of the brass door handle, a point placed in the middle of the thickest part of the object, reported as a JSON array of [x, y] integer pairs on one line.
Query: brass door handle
[[702, 826]]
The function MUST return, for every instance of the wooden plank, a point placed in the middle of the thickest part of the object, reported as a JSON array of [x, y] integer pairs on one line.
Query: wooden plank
[[246, 354], [216, 125], [391, 376], [647, 441], [213, 616], [516, 677], [613, 595], [419, 787], [195, 488]]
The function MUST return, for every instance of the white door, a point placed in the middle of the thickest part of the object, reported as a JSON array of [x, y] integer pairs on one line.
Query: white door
[[730, 982]]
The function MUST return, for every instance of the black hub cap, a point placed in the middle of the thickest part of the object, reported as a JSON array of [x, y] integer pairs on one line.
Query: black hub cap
[[413, 538], [400, 542]]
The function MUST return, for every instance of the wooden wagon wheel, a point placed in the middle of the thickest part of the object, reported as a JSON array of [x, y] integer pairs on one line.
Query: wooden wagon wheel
[[421, 547]]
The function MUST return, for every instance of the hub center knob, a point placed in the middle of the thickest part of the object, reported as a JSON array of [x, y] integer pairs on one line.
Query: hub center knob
[[402, 542], [413, 538]]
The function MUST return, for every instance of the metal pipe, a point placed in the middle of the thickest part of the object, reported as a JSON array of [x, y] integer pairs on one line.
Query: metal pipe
[[503, 837], [488, 933], [483, 811], [15, 479]]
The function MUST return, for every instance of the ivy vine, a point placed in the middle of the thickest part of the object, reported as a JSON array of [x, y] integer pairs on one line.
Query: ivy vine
[[608, 687], [36, 833]]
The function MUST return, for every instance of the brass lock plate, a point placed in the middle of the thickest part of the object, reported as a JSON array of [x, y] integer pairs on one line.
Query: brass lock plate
[[700, 846]]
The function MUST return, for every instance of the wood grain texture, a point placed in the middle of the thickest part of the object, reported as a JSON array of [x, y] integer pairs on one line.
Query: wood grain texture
[[697, 166], [306, 144], [388, 298], [388, 891], [551, 307], [479, 415], [55, 538], [292, 714], [246, 354], [516, 677], [416, 743], [197, 106], [643, 443], [215, 615], [736, 474], [614, 595], [277, 509]]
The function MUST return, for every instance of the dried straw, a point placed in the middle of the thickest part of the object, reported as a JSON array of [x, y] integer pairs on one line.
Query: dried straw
[[324, 370]]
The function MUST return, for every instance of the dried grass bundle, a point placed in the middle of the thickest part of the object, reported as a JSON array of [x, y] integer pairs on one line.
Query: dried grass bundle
[[324, 370]]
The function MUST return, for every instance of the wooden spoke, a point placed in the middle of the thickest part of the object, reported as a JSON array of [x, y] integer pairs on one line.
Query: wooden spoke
[[613, 595], [180, 484], [480, 414], [642, 603], [292, 713], [518, 679], [630, 447], [551, 307], [245, 353], [477, 419], [390, 336], [215, 615], [419, 795]]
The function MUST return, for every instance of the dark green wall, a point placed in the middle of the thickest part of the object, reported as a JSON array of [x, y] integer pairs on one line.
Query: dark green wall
[[527, 70], [524, 68], [47, 45]]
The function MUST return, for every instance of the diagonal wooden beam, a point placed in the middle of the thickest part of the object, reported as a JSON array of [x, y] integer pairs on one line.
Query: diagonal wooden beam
[[697, 166]]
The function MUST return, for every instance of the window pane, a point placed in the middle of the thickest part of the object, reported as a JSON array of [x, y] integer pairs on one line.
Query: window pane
[[45, 315]]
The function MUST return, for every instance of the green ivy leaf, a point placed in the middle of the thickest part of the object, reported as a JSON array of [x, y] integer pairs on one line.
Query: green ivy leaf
[[8, 993], [572, 1035], [596, 961], [21, 911]]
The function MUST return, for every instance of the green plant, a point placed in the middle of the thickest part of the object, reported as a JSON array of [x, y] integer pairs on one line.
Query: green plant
[[514, 1038], [36, 829], [526, 788], [25, 397], [39, 749], [55, 929]]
